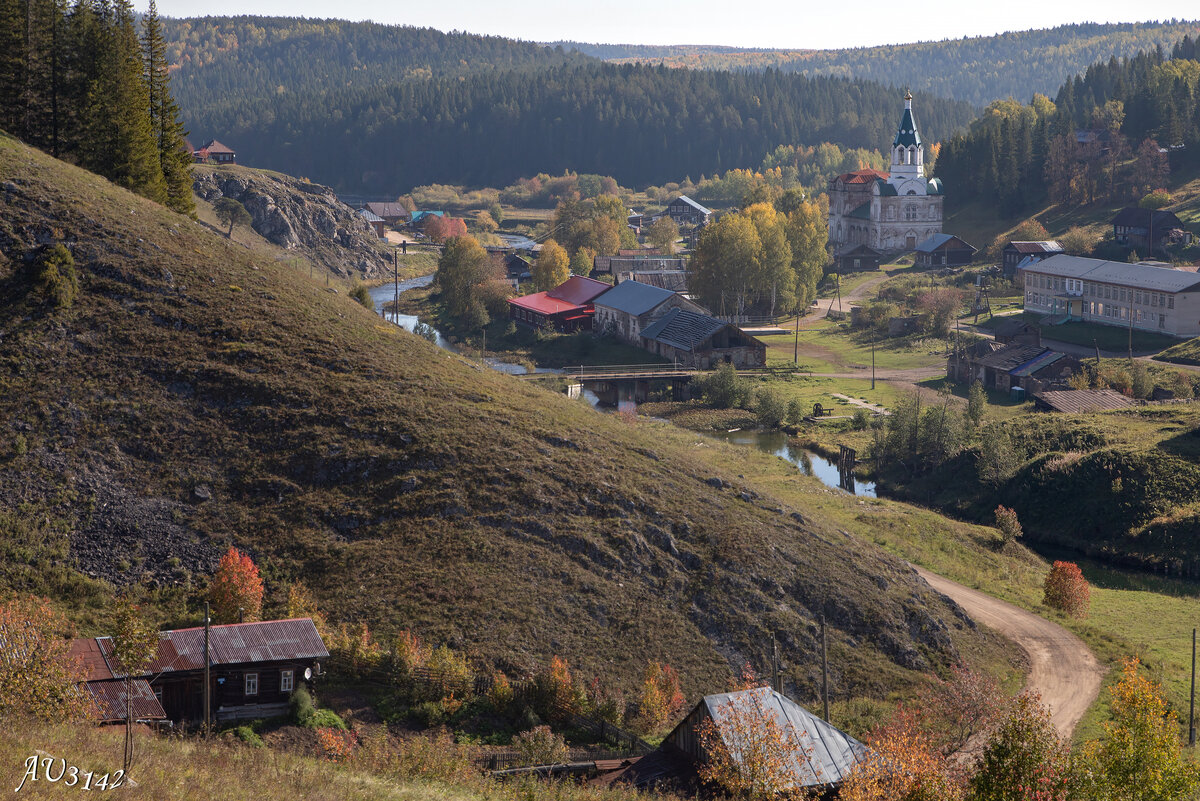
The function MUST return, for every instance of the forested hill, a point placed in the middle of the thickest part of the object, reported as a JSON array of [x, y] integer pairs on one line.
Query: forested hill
[[640, 124], [216, 58], [977, 70]]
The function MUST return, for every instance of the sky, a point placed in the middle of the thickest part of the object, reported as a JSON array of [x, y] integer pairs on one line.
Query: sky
[[793, 24]]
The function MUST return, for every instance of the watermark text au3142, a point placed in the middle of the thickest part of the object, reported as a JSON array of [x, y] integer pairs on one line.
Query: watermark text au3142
[[47, 768]]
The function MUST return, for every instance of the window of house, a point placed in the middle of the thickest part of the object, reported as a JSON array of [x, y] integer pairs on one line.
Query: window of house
[[1162, 300], [285, 681], [251, 684], [1170, 301], [1162, 321], [1153, 299]]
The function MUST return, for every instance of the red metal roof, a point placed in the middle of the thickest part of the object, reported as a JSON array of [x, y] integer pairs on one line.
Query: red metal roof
[[234, 644], [213, 146], [87, 652], [862, 176], [542, 303], [110, 700], [579, 290]]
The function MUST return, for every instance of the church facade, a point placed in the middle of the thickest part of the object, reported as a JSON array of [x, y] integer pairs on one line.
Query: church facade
[[889, 211]]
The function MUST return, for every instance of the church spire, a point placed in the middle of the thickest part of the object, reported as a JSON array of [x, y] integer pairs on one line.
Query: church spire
[[906, 134]]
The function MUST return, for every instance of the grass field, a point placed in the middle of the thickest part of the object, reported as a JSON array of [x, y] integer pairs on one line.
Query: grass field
[[1182, 353], [834, 347]]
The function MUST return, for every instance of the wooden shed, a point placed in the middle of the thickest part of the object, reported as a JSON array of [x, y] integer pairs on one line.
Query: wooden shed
[[697, 340]]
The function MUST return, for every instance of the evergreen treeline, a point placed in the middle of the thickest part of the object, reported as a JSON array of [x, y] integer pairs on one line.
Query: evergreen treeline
[[638, 124], [79, 82], [249, 57], [1103, 137], [978, 70]]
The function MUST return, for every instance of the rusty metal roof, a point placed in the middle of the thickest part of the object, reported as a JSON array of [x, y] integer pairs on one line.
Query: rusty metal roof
[[110, 700], [234, 644], [87, 653], [1082, 400]]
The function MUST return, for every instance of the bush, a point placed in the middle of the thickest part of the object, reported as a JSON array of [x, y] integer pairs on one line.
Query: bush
[[1067, 589], [976, 403], [540, 746], [501, 692], [326, 719], [302, 707], [769, 407], [795, 411], [429, 713], [248, 736], [56, 281], [1009, 525], [862, 419], [363, 296], [723, 389]]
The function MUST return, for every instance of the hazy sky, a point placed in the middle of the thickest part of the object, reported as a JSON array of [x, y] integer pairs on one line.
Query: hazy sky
[[741, 23]]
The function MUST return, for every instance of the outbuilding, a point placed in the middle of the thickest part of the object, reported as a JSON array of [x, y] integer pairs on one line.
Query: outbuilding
[[944, 250], [701, 341]]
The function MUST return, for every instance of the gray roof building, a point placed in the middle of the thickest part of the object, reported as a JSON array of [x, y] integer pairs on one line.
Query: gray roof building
[[1137, 276], [634, 297]]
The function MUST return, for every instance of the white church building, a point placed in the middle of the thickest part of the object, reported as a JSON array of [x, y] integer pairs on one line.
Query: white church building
[[890, 212]]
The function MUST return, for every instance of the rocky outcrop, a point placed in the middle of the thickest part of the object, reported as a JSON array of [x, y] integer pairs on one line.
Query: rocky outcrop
[[301, 216]]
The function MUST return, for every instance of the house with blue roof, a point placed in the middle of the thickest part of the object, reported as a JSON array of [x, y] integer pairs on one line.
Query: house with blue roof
[[631, 306], [889, 211]]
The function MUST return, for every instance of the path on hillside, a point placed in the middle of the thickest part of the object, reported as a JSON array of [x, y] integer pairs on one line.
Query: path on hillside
[[825, 304], [1062, 668]]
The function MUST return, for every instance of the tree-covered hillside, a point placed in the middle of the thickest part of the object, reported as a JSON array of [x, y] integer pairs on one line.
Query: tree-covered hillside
[[978, 69], [639, 124]]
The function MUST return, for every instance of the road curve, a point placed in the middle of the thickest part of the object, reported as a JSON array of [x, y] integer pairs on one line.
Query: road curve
[[1062, 668]]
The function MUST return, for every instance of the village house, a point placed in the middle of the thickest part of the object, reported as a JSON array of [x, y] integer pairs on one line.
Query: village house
[[1134, 227], [858, 259], [1016, 329], [515, 269], [374, 220], [888, 211], [701, 341], [108, 692], [253, 668], [674, 280], [1032, 368], [213, 152], [393, 213], [685, 211], [566, 308], [944, 250], [418, 219], [821, 759], [625, 309], [1016, 254], [1081, 401], [636, 261], [1138, 296]]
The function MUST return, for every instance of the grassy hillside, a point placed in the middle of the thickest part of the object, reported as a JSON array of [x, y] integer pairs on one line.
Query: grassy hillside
[[195, 395]]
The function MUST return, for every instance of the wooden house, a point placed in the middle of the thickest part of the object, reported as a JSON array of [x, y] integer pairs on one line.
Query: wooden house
[[213, 152], [1002, 367], [630, 306], [108, 692], [633, 260], [943, 250], [392, 213], [1016, 329], [1018, 253], [821, 758], [1080, 401], [685, 211], [374, 220], [700, 341], [253, 668], [566, 308], [1136, 228], [859, 258]]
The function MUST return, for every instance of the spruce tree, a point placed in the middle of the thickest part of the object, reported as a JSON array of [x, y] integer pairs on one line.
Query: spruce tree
[[174, 158], [135, 164], [12, 64]]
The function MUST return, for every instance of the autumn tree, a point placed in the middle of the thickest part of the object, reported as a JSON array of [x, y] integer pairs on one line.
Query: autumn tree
[[904, 764], [38, 677], [1024, 760], [1066, 589], [583, 261], [1150, 168], [662, 233], [976, 403], [236, 590], [660, 698], [807, 231], [750, 754], [960, 708], [134, 646], [1008, 524], [552, 266], [300, 603], [443, 228], [463, 269], [1140, 757]]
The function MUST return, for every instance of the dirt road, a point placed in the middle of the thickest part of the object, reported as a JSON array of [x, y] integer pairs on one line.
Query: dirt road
[[1062, 668]]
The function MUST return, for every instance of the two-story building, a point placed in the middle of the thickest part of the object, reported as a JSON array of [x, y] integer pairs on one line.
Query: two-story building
[[1114, 293], [1017, 253], [631, 306]]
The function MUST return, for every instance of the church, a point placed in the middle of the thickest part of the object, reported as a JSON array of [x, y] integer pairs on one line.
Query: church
[[889, 212]]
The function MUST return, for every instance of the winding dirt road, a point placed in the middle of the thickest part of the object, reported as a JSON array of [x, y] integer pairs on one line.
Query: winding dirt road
[[1062, 668]]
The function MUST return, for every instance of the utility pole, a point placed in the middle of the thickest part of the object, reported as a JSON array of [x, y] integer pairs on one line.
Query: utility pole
[[1097, 347], [1192, 703], [207, 671], [1131, 328], [775, 683], [872, 364], [796, 346], [824, 671], [396, 283]]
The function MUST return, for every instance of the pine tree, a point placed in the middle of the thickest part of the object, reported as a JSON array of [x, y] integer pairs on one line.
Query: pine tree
[[135, 164], [174, 159]]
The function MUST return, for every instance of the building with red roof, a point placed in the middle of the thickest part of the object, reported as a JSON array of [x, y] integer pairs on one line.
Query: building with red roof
[[215, 152], [566, 308]]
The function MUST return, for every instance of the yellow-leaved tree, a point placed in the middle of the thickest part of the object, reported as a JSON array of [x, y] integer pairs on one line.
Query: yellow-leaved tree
[[38, 677]]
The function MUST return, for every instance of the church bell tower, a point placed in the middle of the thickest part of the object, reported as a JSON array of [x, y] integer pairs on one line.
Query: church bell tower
[[908, 155]]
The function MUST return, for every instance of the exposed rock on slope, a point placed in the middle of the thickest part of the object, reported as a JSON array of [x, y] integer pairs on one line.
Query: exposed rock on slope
[[299, 215]]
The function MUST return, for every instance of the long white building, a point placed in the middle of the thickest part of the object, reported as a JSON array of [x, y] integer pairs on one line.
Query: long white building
[[1112, 292]]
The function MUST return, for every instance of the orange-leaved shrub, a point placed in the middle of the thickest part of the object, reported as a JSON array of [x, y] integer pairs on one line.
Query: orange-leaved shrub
[[236, 585], [1067, 589], [38, 677], [904, 764], [337, 745], [660, 699]]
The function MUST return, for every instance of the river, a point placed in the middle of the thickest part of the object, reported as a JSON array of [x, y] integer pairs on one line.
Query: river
[[811, 464]]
